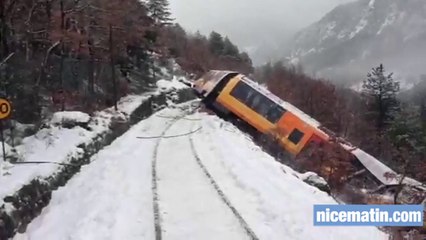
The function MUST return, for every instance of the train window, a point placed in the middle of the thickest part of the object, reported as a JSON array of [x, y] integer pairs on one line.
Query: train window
[[296, 136], [275, 113], [258, 102]]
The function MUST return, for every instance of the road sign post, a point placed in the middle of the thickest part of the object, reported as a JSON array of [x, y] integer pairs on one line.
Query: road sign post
[[5, 110]]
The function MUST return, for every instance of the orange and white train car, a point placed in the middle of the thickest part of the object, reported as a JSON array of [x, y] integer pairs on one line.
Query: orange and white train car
[[233, 93]]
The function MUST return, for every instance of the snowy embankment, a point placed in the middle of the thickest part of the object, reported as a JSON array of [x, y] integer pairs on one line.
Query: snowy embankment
[[56, 152], [58, 144], [212, 184]]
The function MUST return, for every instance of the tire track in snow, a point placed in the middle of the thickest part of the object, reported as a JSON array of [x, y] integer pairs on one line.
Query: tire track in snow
[[221, 194]]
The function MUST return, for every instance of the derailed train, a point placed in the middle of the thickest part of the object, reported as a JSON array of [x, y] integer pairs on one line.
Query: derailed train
[[232, 94]]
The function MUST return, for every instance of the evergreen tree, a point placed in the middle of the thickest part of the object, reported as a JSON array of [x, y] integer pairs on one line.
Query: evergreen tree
[[423, 113], [381, 91], [216, 43], [245, 58], [159, 11], [229, 49], [267, 70], [406, 137], [406, 131]]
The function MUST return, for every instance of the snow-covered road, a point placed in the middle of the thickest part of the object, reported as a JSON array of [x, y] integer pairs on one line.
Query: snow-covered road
[[212, 184]]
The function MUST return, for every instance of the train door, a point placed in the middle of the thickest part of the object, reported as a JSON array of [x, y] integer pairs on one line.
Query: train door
[[295, 133]]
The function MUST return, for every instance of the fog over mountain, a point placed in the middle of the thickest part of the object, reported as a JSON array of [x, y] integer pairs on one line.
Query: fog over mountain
[[261, 27], [351, 39]]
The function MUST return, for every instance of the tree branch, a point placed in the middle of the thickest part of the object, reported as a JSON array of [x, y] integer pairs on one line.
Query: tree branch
[[44, 63], [6, 59], [30, 13]]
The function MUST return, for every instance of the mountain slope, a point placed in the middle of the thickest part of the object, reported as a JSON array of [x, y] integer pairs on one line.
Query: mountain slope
[[356, 36]]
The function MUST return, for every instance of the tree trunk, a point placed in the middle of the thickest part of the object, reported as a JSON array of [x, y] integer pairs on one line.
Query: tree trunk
[[401, 180], [61, 81], [114, 82], [91, 77], [4, 49]]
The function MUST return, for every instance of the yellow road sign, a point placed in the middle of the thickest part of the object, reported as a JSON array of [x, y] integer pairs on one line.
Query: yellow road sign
[[5, 108]]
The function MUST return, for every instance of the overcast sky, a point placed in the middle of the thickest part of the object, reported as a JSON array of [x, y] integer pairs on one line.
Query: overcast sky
[[252, 24]]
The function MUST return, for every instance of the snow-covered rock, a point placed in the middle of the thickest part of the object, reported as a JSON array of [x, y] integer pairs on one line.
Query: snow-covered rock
[[313, 179], [169, 85], [70, 119]]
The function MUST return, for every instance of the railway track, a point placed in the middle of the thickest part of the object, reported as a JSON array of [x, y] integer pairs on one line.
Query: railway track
[[156, 208], [221, 194], [160, 214]]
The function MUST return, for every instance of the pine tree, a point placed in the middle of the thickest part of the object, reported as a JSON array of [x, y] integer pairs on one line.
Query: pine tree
[[229, 49], [381, 91], [216, 43], [406, 137], [267, 70], [406, 130], [159, 11]]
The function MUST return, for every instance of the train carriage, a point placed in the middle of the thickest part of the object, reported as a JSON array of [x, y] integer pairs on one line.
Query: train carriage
[[234, 93]]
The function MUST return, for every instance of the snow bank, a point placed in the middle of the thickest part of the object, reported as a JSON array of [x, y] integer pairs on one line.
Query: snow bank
[[168, 85], [71, 117], [129, 104], [313, 179], [59, 145]]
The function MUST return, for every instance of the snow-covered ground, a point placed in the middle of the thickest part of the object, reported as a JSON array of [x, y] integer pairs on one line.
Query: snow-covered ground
[[166, 85], [58, 144], [212, 184]]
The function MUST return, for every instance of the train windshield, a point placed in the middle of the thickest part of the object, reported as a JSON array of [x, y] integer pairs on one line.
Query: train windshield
[[258, 102]]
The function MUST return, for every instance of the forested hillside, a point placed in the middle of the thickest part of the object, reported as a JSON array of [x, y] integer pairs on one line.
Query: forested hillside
[[378, 119], [85, 54]]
